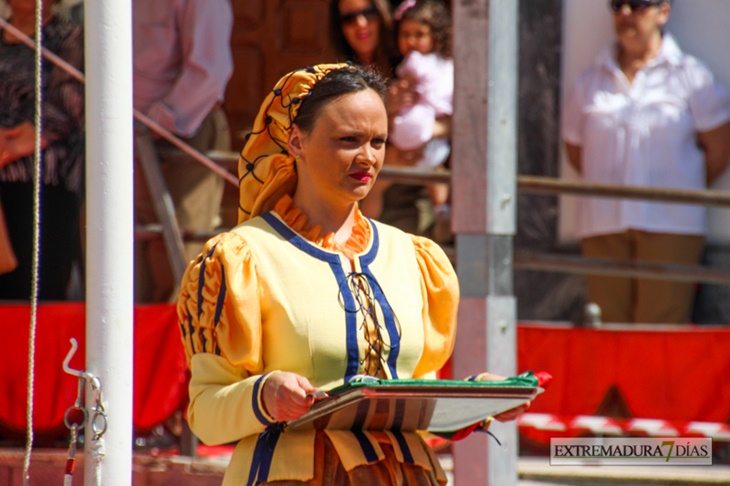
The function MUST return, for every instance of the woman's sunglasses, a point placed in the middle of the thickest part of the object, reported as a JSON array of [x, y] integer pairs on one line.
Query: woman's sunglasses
[[634, 5], [370, 14]]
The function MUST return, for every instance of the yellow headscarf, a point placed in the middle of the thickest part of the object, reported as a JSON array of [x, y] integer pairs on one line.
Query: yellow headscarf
[[266, 171]]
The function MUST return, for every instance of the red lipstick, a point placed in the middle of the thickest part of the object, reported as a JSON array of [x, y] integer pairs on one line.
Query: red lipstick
[[361, 176]]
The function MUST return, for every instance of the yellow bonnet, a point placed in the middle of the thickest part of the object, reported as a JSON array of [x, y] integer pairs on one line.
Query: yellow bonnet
[[266, 171]]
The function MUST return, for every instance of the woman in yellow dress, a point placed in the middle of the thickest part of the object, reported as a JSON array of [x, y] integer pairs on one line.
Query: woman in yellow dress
[[306, 293]]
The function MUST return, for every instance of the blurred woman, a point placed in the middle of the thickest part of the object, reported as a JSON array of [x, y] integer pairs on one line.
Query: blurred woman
[[62, 141], [362, 32]]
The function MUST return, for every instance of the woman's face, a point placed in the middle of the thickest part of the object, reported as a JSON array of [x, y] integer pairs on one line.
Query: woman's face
[[361, 27], [340, 158], [414, 36]]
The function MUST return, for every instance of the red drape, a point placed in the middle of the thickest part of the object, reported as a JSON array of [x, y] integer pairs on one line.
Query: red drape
[[669, 374], [678, 375], [160, 380]]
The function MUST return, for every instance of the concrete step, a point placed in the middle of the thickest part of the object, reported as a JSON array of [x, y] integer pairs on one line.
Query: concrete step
[[538, 470], [47, 467]]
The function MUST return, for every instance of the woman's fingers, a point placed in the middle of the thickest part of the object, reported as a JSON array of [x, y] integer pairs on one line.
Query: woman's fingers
[[285, 396], [512, 413], [489, 377]]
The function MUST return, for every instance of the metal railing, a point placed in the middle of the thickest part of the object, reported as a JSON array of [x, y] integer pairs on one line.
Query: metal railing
[[553, 186]]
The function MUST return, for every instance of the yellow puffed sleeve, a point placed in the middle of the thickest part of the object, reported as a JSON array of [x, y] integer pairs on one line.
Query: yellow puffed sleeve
[[220, 325], [440, 290], [219, 306]]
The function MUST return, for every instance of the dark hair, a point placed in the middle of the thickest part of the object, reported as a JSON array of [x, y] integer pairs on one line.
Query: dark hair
[[386, 56], [334, 84], [435, 14]]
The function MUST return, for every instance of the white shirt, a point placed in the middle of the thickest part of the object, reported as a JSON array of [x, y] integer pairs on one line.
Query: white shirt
[[182, 60], [644, 134], [433, 76]]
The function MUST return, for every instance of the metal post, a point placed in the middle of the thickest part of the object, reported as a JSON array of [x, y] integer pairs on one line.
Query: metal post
[[484, 201], [162, 202], [109, 232]]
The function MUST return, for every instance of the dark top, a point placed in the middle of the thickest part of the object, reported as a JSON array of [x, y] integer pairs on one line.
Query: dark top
[[63, 105]]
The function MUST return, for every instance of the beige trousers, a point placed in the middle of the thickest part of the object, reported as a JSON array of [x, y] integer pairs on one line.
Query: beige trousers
[[643, 300], [196, 192]]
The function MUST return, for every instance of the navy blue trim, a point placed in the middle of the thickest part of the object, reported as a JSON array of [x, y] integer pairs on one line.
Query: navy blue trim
[[368, 258], [221, 297], [388, 314], [203, 341], [357, 429], [403, 444], [255, 399], [201, 285], [292, 237], [266, 443], [336, 266], [191, 331], [201, 280], [353, 352], [389, 321], [263, 453], [367, 448], [400, 414]]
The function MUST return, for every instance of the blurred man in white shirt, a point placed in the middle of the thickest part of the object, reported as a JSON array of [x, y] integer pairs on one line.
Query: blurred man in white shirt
[[182, 64], [645, 114]]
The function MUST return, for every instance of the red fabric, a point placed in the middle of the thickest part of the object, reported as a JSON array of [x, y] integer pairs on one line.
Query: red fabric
[[543, 379], [673, 375], [160, 379]]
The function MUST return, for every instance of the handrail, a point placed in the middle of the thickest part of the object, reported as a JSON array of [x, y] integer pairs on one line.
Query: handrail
[[615, 268], [547, 185], [550, 185], [527, 184]]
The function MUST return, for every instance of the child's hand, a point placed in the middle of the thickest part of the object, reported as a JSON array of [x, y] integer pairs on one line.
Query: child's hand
[[401, 95]]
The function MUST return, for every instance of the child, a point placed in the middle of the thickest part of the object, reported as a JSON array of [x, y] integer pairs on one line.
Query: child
[[424, 39]]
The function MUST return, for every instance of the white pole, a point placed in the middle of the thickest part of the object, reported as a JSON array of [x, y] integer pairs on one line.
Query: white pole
[[109, 234]]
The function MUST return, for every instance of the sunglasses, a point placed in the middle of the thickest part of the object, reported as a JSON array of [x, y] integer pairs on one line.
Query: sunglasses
[[634, 5], [370, 14]]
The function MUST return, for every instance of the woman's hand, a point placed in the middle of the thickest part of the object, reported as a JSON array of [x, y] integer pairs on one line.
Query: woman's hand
[[510, 414], [17, 142], [7, 152], [285, 396]]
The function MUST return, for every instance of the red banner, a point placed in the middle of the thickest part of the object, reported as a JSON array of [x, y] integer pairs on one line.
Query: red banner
[[671, 374], [160, 380]]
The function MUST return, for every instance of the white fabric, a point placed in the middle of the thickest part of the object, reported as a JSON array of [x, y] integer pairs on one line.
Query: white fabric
[[433, 78], [182, 60], [644, 134], [435, 154]]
